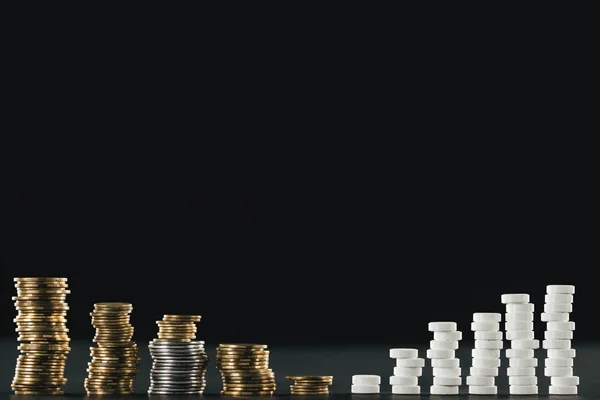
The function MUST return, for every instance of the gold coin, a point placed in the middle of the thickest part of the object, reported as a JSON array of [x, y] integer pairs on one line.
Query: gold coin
[[309, 378], [39, 279], [246, 393], [243, 346], [179, 317], [256, 372]]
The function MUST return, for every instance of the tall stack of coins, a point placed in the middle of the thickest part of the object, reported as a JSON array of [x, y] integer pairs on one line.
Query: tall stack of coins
[[179, 361], [41, 325], [310, 385], [245, 369], [115, 359]]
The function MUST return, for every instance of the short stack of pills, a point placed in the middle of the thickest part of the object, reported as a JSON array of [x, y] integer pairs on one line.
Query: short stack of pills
[[557, 339], [442, 352], [486, 354], [408, 369], [365, 384], [518, 325]]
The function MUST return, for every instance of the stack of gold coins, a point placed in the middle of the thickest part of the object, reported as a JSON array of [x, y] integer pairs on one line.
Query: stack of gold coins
[[41, 325], [115, 359], [310, 385], [245, 370], [177, 328]]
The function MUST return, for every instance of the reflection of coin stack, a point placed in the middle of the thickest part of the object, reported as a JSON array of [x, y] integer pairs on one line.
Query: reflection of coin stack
[[245, 369], [408, 369], [557, 339], [519, 332], [446, 371], [310, 385], [41, 324], [180, 362], [115, 360], [486, 354]]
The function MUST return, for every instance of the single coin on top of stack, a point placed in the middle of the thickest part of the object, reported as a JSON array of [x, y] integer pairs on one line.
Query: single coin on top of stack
[[115, 361], [245, 370], [310, 385], [41, 325]]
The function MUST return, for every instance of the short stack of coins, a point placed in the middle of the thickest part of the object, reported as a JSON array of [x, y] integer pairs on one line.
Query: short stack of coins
[[310, 385], [41, 325], [179, 361], [486, 354], [442, 352], [245, 370], [115, 359]]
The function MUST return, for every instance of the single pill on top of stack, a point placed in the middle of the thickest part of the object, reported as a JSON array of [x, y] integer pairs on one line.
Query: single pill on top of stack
[[245, 370], [445, 365], [408, 369], [486, 354], [310, 385], [365, 384]]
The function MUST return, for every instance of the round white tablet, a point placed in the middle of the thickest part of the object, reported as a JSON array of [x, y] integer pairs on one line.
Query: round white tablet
[[522, 362], [408, 371], [558, 362], [555, 316], [488, 344], [440, 353], [518, 325], [404, 380], [442, 326], [525, 344], [558, 298], [447, 381], [520, 335], [488, 335], [443, 344], [519, 353], [558, 307], [398, 389], [486, 362], [522, 380], [523, 390], [445, 362], [561, 353], [514, 298], [480, 380], [564, 335], [484, 353], [485, 326], [366, 380], [527, 307], [443, 390], [483, 390], [486, 317], [520, 371], [567, 289], [474, 371], [560, 326], [558, 371], [365, 389], [410, 362], [564, 380], [404, 353], [451, 335], [556, 344], [446, 372], [518, 316], [562, 390]]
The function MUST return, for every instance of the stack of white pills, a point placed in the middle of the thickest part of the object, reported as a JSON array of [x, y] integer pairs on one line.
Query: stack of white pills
[[365, 384], [557, 339], [408, 369], [518, 325], [486, 354], [442, 352]]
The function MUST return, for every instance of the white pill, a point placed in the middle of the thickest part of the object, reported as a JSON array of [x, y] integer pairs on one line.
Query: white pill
[[518, 316], [523, 390], [442, 326], [474, 371], [488, 344], [519, 353], [446, 372], [520, 371], [527, 307], [562, 390], [366, 380], [443, 390], [404, 380], [558, 362], [522, 380], [558, 307], [410, 362], [488, 335], [443, 344], [522, 362], [525, 344], [404, 353], [485, 326], [440, 353], [447, 381], [518, 325], [408, 371], [445, 362], [486, 363], [564, 335], [453, 335], [365, 389], [558, 298], [564, 380], [514, 298], [561, 353], [556, 344], [399, 389], [555, 289], [485, 353], [560, 326], [489, 390], [558, 371], [480, 380], [487, 317], [520, 335], [555, 316]]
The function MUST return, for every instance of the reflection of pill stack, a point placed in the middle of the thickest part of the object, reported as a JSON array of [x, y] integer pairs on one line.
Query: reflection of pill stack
[[519, 332], [365, 384], [408, 369], [557, 339], [445, 365], [486, 354]]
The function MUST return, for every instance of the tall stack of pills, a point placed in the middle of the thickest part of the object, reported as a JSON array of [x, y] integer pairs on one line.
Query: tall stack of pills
[[557, 339], [442, 352], [519, 331], [408, 369], [486, 354], [365, 384]]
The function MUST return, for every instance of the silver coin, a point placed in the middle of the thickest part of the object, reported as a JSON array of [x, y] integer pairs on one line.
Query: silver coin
[[167, 392]]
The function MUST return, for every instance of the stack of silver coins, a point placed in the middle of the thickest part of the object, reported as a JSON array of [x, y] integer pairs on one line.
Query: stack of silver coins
[[178, 368]]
